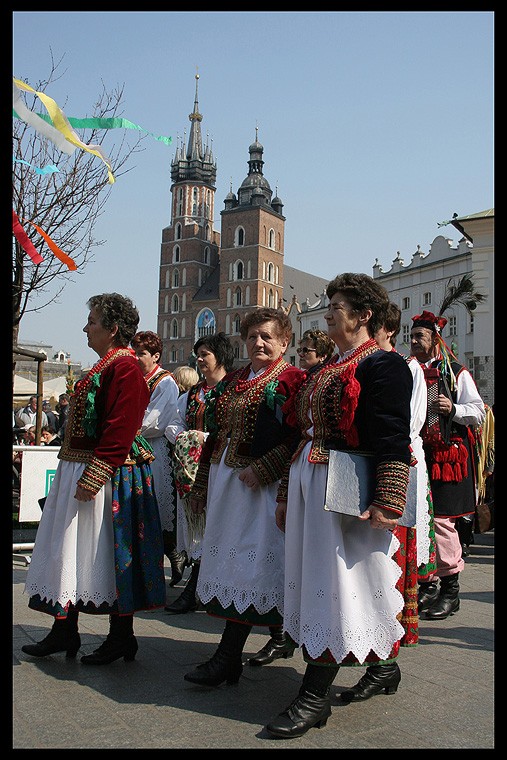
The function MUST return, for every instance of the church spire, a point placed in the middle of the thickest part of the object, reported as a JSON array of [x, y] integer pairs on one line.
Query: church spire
[[195, 164]]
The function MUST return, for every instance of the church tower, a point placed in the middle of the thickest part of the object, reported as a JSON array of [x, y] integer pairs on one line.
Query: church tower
[[209, 280], [252, 249], [190, 245]]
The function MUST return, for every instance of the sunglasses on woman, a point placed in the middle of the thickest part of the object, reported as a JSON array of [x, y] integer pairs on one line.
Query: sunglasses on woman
[[304, 351]]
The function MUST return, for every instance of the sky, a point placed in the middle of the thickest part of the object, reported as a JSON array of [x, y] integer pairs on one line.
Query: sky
[[376, 127]]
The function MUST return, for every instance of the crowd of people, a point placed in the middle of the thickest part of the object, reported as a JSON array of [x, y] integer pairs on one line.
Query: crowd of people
[[361, 456]]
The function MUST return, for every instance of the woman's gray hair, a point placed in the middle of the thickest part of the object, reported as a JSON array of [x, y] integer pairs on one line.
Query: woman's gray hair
[[118, 311]]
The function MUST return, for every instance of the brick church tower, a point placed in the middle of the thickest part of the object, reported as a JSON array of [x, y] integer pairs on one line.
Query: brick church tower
[[208, 280]]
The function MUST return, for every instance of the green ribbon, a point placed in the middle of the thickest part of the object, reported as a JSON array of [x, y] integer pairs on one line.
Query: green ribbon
[[102, 123]]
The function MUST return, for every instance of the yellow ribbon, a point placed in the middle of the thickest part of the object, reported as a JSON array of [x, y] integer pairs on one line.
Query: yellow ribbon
[[61, 123]]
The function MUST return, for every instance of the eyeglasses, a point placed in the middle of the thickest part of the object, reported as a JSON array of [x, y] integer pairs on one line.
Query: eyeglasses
[[304, 351]]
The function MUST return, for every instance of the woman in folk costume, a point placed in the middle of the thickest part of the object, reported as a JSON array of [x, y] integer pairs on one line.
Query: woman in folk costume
[[192, 435], [416, 554], [345, 610], [455, 409], [99, 542], [241, 575], [159, 413]]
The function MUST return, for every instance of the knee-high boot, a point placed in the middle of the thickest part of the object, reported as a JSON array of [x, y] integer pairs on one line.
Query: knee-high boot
[[447, 602], [279, 645], [63, 637], [120, 642], [225, 665], [187, 600], [311, 707]]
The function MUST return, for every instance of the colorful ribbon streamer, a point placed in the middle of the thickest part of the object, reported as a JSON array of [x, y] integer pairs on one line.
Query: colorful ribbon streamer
[[24, 240], [102, 123], [61, 123], [40, 125], [49, 169], [27, 244]]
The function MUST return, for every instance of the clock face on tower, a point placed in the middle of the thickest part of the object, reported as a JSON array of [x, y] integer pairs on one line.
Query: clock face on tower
[[206, 324]]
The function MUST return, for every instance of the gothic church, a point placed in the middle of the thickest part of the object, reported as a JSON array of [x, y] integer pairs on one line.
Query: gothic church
[[210, 280]]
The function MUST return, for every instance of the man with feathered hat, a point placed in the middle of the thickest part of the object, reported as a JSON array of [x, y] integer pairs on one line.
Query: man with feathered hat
[[455, 409]]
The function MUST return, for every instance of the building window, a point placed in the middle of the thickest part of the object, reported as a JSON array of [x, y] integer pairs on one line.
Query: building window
[[167, 278], [177, 232], [237, 297], [175, 304], [206, 255], [174, 355], [271, 238], [206, 324], [470, 365], [406, 334], [176, 254], [237, 323], [180, 202], [453, 326], [271, 273], [471, 323], [176, 278], [238, 275], [194, 202], [426, 299], [174, 328], [239, 237], [405, 303]]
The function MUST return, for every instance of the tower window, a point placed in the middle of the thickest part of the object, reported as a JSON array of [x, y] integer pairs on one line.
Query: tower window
[[239, 237], [176, 254], [237, 297]]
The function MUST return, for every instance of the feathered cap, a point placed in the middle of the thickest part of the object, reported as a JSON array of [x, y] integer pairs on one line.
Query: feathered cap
[[455, 293], [428, 319]]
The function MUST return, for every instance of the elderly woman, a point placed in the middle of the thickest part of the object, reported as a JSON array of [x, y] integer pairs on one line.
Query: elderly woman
[[241, 575], [344, 609], [315, 348], [99, 542]]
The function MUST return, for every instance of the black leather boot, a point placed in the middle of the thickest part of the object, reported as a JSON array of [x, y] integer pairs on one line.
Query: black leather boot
[[187, 600], [225, 665], [277, 646], [426, 595], [120, 642], [179, 560], [63, 637], [312, 706], [377, 678], [447, 602]]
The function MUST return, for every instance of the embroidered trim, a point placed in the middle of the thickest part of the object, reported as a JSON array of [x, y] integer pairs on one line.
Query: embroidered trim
[[392, 484]]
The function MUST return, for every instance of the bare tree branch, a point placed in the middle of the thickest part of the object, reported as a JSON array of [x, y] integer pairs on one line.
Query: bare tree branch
[[65, 204]]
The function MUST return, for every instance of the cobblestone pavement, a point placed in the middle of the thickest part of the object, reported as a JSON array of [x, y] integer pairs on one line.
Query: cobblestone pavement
[[445, 699]]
